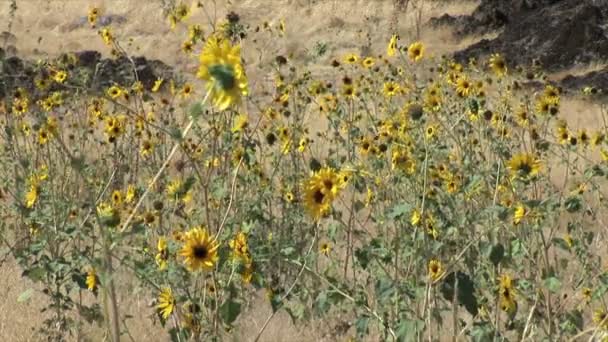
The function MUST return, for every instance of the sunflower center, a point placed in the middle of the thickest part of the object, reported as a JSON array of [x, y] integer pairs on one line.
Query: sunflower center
[[224, 75], [200, 252], [525, 168], [318, 197]]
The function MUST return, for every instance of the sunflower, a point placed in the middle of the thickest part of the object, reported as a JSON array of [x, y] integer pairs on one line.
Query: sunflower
[[415, 51], [20, 106], [187, 90], [391, 89], [320, 190], [522, 117], [106, 35], [601, 318], [498, 65], [43, 136], [114, 92], [368, 62], [199, 250], [519, 213], [431, 131], [166, 303], [507, 295], [31, 196], [220, 66], [350, 58], [188, 47], [163, 253], [92, 16], [240, 123], [60, 76], [391, 49], [240, 247], [587, 293], [547, 105], [116, 198], [146, 148], [348, 91], [325, 248], [402, 160], [435, 269], [583, 137], [91, 280], [463, 86], [524, 165]]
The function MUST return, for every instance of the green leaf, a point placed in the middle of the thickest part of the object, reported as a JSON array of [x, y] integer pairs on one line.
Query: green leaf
[[315, 165], [399, 210], [573, 204], [196, 110], [362, 325], [497, 254], [552, 284], [229, 311], [466, 291], [25, 295], [36, 273]]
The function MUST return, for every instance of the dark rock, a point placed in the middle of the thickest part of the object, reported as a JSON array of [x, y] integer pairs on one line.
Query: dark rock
[[597, 79], [101, 72]]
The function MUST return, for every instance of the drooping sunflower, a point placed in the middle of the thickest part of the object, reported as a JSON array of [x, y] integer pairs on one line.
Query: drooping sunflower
[[498, 65], [199, 250], [524, 165], [166, 303], [220, 66], [92, 280], [391, 49], [507, 295], [519, 213], [163, 253], [415, 51], [240, 247]]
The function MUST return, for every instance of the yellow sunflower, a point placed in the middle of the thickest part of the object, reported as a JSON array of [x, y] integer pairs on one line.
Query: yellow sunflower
[[320, 190], [391, 89], [415, 51], [92, 280], [463, 86], [498, 65], [163, 253], [435, 269], [391, 49], [350, 58], [524, 165], [220, 66], [199, 250], [166, 302]]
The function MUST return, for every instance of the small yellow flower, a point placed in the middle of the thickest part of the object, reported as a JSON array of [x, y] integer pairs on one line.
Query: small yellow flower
[[435, 269], [415, 51], [325, 248], [391, 49], [92, 281]]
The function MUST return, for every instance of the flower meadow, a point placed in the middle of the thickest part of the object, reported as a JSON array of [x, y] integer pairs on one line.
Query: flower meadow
[[398, 197]]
